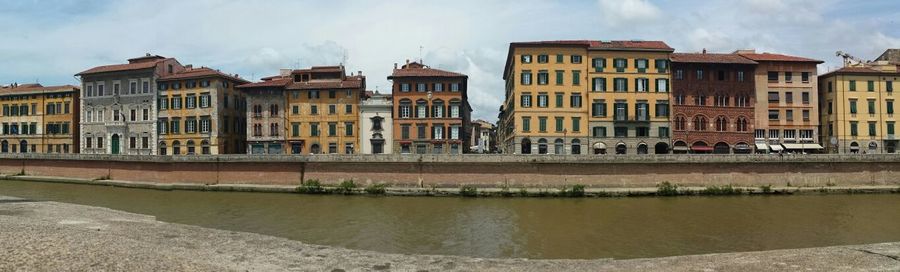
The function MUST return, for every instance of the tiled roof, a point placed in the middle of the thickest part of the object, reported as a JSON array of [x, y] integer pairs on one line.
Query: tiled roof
[[320, 69], [776, 57], [857, 70], [415, 69], [35, 88], [891, 56], [710, 58], [349, 83], [121, 67], [202, 73], [593, 44], [274, 82]]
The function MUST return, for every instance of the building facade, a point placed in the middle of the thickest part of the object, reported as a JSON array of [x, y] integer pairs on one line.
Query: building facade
[[376, 128], [307, 111], [786, 112], [713, 97], [200, 112], [581, 97], [111, 93], [431, 110], [39, 119], [858, 106], [484, 137]]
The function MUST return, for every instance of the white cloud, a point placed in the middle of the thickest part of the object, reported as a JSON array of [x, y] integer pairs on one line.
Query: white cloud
[[628, 12]]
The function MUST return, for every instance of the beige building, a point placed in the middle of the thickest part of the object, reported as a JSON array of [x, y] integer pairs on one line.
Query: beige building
[[786, 109], [858, 107], [42, 119], [580, 97]]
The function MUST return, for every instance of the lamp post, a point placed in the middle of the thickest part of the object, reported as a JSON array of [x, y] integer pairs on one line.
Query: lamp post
[[565, 140]]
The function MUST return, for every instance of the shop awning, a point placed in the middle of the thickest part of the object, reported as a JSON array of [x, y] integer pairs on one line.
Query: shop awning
[[702, 148], [762, 147], [599, 146], [742, 146], [854, 147], [680, 148], [802, 146], [776, 147]]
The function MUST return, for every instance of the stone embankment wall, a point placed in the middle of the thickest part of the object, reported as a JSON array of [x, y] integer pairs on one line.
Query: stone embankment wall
[[480, 170]]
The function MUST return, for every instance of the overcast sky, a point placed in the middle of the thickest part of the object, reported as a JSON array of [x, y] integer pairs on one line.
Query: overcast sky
[[50, 41]]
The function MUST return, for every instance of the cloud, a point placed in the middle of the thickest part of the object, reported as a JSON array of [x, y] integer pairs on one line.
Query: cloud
[[628, 12]]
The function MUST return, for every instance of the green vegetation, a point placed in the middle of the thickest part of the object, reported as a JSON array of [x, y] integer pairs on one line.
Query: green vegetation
[[523, 192], [766, 189], [830, 184], [376, 189], [311, 186], [468, 191], [722, 190], [576, 191], [346, 187], [666, 189], [504, 191]]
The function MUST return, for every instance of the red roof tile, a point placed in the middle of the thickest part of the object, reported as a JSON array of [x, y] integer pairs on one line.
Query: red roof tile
[[35, 88], [121, 67], [593, 44], [349, 83], [710, 58], [275, 82], [858, 70], [776, 57], [202, 73], [415, 69]]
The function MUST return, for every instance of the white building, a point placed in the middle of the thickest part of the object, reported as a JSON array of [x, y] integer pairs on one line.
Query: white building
[[376, 119]]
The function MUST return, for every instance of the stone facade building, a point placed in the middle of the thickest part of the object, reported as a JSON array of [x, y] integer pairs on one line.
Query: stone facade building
[[858, 106], [111, 93], [572, 97], [484, 137], [432, 110], [713, 97], [786, 112], [306, 111], [39, 119], [200, 112], [376, 124]]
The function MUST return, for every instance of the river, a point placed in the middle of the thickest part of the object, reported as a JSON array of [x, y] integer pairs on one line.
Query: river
[[547, 228]]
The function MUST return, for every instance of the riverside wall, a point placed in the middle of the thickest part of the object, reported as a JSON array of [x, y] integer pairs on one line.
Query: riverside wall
[[480, 170]]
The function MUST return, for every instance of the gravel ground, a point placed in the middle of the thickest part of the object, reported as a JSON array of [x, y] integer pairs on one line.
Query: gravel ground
[[51, 236]]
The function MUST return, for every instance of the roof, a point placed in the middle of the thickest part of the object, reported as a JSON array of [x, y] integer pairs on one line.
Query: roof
[[134, 64], [777, 57], [415, 69], [36, 88], [710, 58], [320, 69], [352, 82], [857, 70], [596, 44], [274, 82], [892, 56], [202, 72]]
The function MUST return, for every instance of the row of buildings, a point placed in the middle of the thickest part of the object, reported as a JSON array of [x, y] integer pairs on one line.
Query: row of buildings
[[561, 97], [640, 97]]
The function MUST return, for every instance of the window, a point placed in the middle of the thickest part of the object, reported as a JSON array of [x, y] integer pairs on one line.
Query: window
[[190, 101], [526, 100], [273, 110], [543, 59], [526, 58], [890, 128], [679, 74], [620, 85], [454, 110], [773, 97], [662, 66], [741, 124], [116, 88], [332, 94], [332, 109], [526, 78], [641, 65], [598, 84], [598, 132], [805, 98], [805, 115], [542, 100], [773, 115], [332, 129], [740, 76], [438, 87], [404, 87], [190, 125], [454, 87], [576, 59], [720, 75], [421, 131], [700, 100], [176, 102], [437, 132], [889, 86], [313, 109], [348, 128], [789, 115], [132, 88], [559, 124], [620, 65], [871, 106], [699, 74], [542, 124], [872, 129], [314, 129], [788, 77], [404, 132], [437, 110], [680, 123], [576, 124], [543, 77], [852, 84], [575, 100], [854, 128], [598, 64], [804, 77], [204, 125], [559, 58], [871, 86], [852, 106], [421, 87], [576, 77], [559, 100], [204, 100], [642, 85], [700, 123], [314, 94], [889, 107], [621, 110], [662, 108], [773, 77], [789, 98], [620, 132], [774, 134], [420, 110], [598, 108], [526, 124]]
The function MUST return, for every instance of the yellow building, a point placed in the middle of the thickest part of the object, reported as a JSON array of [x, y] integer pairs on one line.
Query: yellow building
[[580, 97], [39, 119], [200, 112], [858, 106]]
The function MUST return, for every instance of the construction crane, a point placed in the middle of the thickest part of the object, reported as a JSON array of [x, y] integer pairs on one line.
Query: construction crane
[[850, 60]]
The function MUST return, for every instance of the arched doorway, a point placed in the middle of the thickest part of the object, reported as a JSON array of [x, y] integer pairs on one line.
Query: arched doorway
[[176, 148], [204, 147], [661, 148], [854, 147], [4, 146], [23, 146], [542, 146], [599, 148], [721, 148], [114, 144], [163, 148], [576, 147], [315, 149], [642, 149], [526, 146], [621, 149], [873, 147], [559, 146], [680, 147], [701, 148]]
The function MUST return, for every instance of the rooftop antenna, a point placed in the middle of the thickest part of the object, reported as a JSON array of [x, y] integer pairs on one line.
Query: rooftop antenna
[[420, 54], [344, 57]]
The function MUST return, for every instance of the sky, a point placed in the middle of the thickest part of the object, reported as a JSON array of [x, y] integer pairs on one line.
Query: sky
[[50, 41]]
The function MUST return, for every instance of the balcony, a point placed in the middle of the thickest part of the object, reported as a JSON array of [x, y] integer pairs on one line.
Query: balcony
[[631, 118]]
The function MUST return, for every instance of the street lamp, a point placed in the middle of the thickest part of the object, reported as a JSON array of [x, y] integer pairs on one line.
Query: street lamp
[[565, 140]]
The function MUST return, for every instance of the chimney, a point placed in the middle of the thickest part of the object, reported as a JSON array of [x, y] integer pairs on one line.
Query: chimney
[[704, 50], [148, 54], [359, 73], [407, 61], [395, 65]]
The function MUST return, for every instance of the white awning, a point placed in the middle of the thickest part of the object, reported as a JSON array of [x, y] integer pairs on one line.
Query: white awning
[[802, 146], [599, 146], [776, 147], [761, 146], [680, 148]]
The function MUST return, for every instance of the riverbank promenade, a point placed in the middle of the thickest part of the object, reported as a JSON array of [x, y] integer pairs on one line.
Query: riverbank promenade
[[52, 236]]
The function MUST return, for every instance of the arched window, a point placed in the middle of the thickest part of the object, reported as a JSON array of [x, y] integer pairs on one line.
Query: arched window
[[405, 110], [680, 123], [576, 147], [741, 124], [162, 148], [273, 129], [190, 147], [176, 148], [526, 146], [559, 146], [721, 123], [542, 146], [257, 110], [700, 123], [437, 108]]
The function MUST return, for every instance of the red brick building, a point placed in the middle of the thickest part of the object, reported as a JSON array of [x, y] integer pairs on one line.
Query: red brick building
[[431, 110], [713, 97]]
